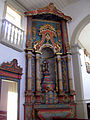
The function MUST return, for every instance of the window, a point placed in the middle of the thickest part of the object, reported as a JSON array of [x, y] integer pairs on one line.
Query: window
[[13, 16], [11, 33]]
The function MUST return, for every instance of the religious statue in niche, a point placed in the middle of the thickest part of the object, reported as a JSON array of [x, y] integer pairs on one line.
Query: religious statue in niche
[[48, 86], [47, 83], [45, 66]]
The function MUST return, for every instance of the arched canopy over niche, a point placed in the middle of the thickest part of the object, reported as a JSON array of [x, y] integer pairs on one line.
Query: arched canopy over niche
[[47, 46]]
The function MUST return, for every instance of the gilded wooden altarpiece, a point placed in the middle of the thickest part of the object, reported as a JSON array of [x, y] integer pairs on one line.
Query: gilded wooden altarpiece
[[49, 90]]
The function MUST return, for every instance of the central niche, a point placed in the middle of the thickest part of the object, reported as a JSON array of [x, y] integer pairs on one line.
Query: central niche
[[49, 57]]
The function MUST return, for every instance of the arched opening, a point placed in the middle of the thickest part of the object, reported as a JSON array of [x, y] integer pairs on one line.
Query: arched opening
[[84, 42], [77, 68], [78, 29]]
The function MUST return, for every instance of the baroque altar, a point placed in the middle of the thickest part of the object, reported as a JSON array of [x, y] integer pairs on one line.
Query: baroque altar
[[49, 93]]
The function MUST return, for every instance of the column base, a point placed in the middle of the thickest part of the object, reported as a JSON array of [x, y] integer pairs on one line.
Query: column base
[[61, 94], [28, 95], [60, 98], [81, 110], [72, 92], [71, 96], [38, 97]]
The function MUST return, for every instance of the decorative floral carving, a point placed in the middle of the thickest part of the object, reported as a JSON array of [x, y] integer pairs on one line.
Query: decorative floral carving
[[50, 7], [48, 27]]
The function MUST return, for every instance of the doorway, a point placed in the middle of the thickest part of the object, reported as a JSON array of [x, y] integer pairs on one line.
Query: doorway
[[9, 99]]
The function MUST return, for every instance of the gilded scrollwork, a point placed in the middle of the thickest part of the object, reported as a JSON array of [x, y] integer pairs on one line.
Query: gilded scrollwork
[[48, 32], [47, 27], [59, 32], [37, 45], [34, 32], [58, 47], [68, 47]]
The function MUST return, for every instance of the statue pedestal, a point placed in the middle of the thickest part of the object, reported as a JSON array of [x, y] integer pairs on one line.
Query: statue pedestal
[[38, 97]]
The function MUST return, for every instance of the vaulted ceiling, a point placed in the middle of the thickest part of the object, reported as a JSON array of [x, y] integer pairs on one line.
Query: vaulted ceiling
[[35, 4]]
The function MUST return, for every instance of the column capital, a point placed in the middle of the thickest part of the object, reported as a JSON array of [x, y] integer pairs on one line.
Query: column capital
[[28, 49], [75, 49], [29, 54], [58, 53], [38, 52], [69, 58]]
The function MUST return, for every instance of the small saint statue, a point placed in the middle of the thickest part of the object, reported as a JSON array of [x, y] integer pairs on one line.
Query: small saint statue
[[45, 66]]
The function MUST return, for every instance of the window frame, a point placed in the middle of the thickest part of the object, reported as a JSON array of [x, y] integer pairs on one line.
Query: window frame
[[8, 5], [18, 86], [11, 71], [20, 45]]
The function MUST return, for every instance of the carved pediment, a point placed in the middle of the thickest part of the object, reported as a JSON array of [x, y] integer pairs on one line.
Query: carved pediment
[[11, 66], [50, 9]]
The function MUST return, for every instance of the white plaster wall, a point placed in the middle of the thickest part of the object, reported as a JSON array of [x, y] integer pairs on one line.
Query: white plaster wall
[[78, 11], [8, 54], [1, 11], [1, 8], [86, 77]]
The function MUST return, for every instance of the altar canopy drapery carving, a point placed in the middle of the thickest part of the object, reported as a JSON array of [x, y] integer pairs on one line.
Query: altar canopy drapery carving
[[48, 70]]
